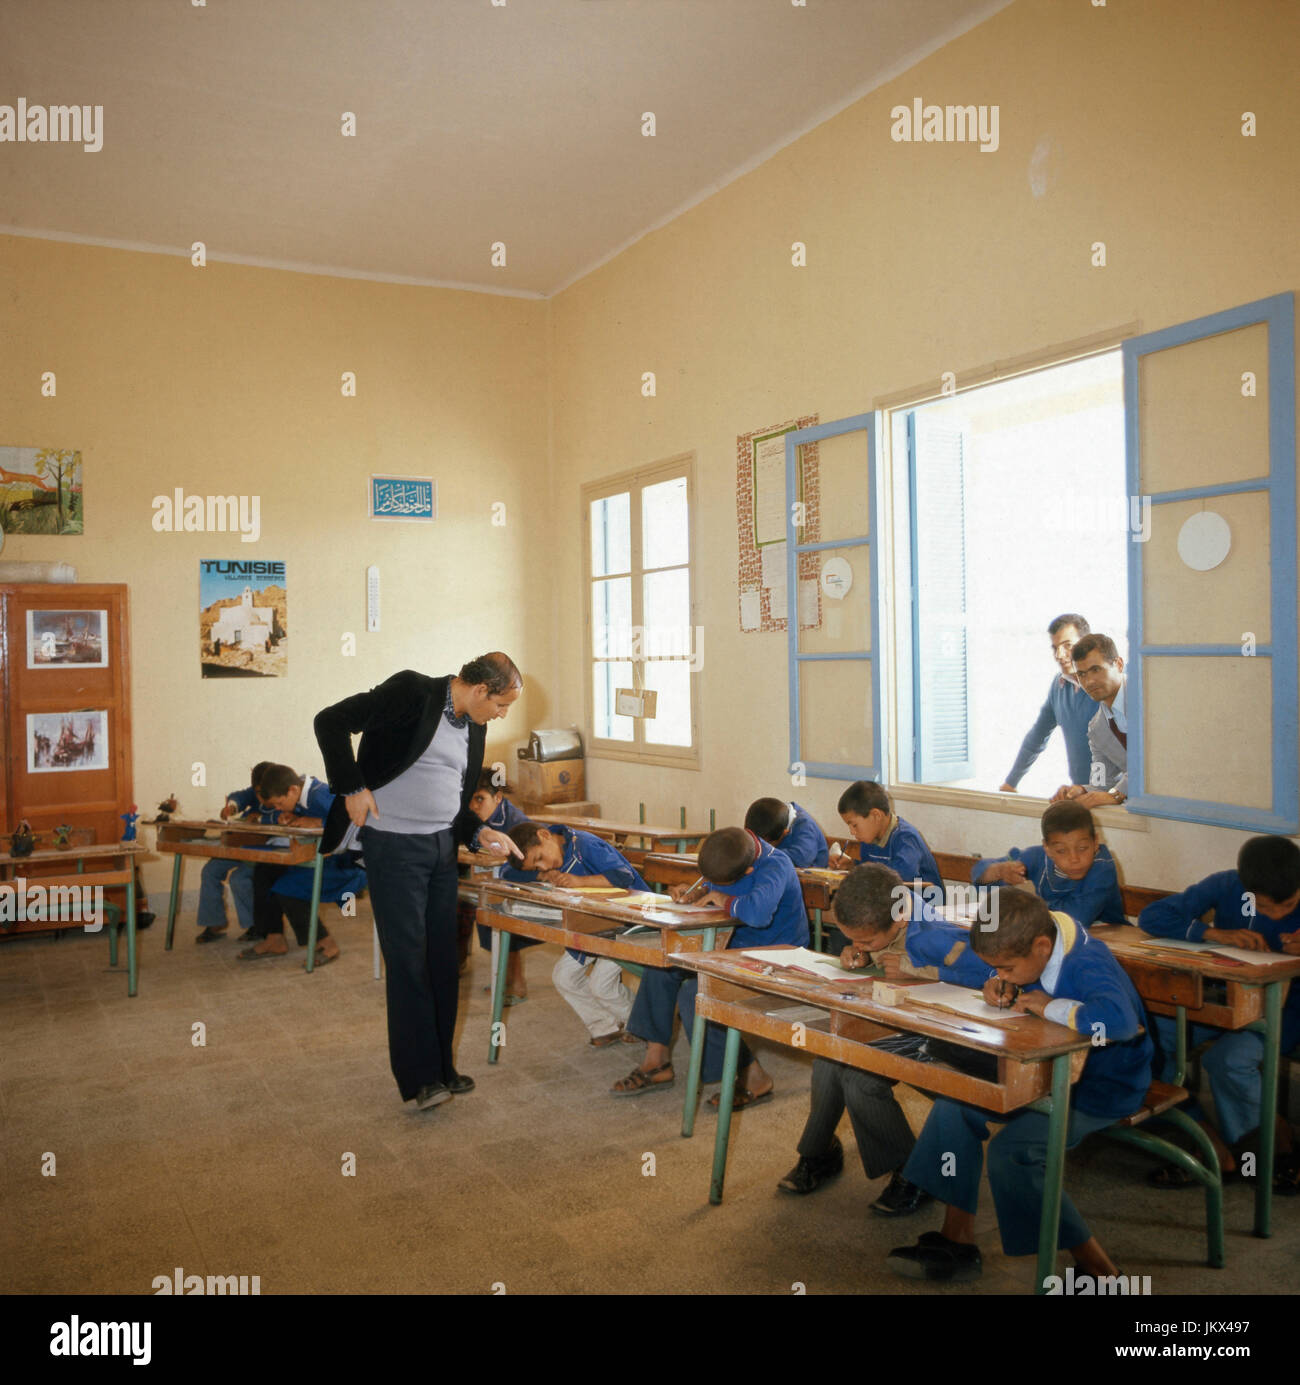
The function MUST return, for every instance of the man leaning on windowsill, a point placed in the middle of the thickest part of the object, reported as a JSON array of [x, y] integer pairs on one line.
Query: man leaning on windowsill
[[1100, 671]]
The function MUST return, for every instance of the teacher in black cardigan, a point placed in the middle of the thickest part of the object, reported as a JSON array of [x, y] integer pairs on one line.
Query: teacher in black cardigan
[[405, 797]]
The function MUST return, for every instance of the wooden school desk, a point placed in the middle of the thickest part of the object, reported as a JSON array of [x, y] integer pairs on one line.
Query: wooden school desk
[[1036, 1058], [818, 883], [1172, 981], [234, 840], [595, 924], [680, 838], [119, 860]]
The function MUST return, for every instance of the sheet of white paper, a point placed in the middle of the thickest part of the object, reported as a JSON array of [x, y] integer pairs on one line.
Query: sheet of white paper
[[959, 998], [1240, 954], [769, 490], [751, 609], [773, 562], [806, 959], [641, 900], [792, 1014], [809, 609]]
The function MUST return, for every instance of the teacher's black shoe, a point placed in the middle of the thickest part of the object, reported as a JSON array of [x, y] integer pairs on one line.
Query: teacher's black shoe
[[460, 1084], [432, 1095]]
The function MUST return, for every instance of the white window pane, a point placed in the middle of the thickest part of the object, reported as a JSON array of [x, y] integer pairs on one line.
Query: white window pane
[[666, 602], [611, 617], [611, 534], [665, 530], [671, 724], [605, 678]]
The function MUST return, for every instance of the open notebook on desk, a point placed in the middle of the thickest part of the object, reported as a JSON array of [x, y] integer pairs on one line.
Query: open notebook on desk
[[1244, 955]]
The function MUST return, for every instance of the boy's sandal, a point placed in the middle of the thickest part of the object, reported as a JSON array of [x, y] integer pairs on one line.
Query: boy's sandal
[[743, 1097], [1286, 1175], [514, 1000], [637, 1082], [604, 1040], [251, 954], [323, 958], [1170, 1176]]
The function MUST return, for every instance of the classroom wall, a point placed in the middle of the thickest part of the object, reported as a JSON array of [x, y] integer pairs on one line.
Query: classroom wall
[[924, 258], [226, 380]]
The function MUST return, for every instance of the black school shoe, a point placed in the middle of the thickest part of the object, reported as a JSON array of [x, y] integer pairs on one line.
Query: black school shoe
[[937, 1259], [460, 1084], [813, 1170], [432, 1095], [901, 1198]]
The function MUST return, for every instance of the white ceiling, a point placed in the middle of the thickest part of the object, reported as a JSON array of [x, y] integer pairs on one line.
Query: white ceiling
[[475, 122]]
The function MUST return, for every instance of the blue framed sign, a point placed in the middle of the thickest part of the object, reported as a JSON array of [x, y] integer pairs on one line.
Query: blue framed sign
[[403, 497]]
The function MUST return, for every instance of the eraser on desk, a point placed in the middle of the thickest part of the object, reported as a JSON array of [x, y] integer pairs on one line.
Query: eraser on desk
[[888, 992]]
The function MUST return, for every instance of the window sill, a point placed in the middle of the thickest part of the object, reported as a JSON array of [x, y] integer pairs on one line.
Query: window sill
[[644, 757], [1018, 805]]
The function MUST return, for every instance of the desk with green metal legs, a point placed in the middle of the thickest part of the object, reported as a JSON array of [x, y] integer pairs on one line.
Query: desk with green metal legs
[[1036, 1060], [1192, 984], [242, 841], [69, 899], [597, 924]]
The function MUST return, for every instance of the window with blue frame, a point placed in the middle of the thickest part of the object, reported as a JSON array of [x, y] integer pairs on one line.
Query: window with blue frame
[[1151, 489]]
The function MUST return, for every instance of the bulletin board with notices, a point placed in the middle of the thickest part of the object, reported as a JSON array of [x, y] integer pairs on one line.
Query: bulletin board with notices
[[761, 528]]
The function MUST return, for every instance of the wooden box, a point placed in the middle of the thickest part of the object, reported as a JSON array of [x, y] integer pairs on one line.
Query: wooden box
[[550, 781]]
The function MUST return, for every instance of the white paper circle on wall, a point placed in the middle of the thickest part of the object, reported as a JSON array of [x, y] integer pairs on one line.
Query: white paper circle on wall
[[837, 578], [1204, 541]]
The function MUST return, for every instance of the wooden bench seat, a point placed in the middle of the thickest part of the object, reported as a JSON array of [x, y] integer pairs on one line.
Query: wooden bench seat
[[1160, 1097]]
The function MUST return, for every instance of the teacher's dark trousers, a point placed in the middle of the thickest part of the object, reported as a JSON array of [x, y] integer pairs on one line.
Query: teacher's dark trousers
[[412, 881]]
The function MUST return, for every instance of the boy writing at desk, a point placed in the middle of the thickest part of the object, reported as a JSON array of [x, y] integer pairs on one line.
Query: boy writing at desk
[[789, 828], [758, 887], [1256, 907], [565, 857], [1071, 871], [888, 926], [1044, 964]]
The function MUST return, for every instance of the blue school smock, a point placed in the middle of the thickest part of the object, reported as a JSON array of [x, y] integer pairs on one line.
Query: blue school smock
[[1089, 988], [931, 941], [1070, 708], [1094, 899], [903, 850], [766, 904], [585, 854], [805, 843], [1180, 916]]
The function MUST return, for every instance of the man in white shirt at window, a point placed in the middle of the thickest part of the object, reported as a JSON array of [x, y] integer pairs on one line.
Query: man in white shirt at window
[[1100, 671]]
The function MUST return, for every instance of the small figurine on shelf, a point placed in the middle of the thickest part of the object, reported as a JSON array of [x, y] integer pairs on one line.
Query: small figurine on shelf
[[62, 835], [130, 818], [22, 842], [166, 808]]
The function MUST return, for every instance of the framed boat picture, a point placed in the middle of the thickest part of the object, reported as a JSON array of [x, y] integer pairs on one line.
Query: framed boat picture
[[56, 639]]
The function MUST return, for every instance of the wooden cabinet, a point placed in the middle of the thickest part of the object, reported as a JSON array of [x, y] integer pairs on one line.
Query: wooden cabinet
[[65, 682]]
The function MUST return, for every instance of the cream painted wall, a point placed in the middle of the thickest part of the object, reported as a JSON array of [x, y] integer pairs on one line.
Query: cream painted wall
[[225, 380], [924, 258]]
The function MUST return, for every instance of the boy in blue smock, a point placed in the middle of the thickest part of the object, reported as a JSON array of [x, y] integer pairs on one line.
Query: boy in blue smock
[[758, 887], [493, 809], [1257, 907], [1071, 871], [564, 856], [212, 920], [1043, 964], [789, 828], [285, 891], [893, 928]]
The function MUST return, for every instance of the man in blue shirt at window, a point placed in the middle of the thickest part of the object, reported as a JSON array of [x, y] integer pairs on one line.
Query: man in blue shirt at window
[[1067, 706]]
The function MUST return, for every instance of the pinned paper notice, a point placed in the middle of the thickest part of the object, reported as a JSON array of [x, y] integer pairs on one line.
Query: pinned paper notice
[[809, 605], [751, 610], [773, 565], [837, 578]]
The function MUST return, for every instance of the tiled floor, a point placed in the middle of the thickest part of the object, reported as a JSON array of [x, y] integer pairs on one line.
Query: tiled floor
[[227, 1158]]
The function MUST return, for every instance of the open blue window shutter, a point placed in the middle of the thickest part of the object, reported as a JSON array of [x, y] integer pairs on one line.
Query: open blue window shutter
[[940, 651], [865, 661], [1212, 681]]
